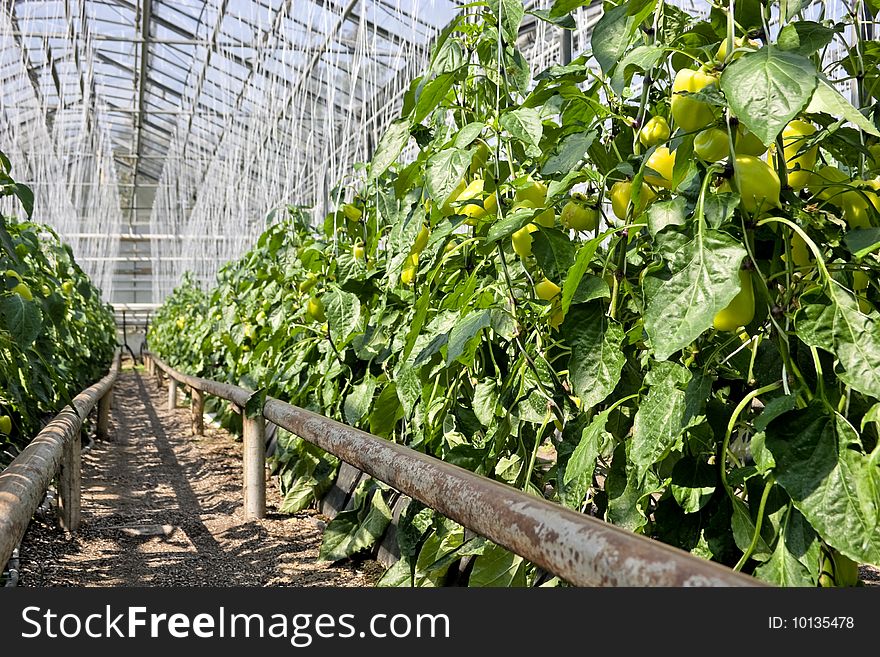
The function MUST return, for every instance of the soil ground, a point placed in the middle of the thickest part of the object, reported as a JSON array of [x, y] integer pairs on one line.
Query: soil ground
[[164, 508]]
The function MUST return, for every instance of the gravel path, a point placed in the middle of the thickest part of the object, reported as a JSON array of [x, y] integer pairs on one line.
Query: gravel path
[[164, 508]]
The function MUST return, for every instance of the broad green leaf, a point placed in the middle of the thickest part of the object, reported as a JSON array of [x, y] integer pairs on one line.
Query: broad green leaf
[[641, 58], [744, 531], [399, 575], [834, 485], [343, 311], [448, 57], [347, 534], [434, 573], [554, 252], [511, 223], [357, 402], [719, 207], [830, 101], [836, 325], [659, 421], [432, 95], [693, 483], [702, 281], [434, 337], [591, 287], [568, 153], [805, 37], [667, 213], [768, 88], [26, 195], [557, 188], [596, 356], [497, 567], [387, 410], [786, 565], [576, 70], [628, 493], [409, 388], [486, 401], [565, 21], [863, 241], [576, 273], [445, 171], [524, 124], [612, 35], [389, 149], [467, 134], [510, 14], [6, 242], [790, 8], [22, 319], [773, 409], [467, 328], [579, 469], [562, 7], [439, 544]]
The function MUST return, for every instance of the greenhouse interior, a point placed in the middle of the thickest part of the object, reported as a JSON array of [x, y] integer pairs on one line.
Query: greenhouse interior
[[435, 293]]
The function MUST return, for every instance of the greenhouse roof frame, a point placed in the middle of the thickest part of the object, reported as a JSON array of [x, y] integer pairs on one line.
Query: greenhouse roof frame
[[139, 85]]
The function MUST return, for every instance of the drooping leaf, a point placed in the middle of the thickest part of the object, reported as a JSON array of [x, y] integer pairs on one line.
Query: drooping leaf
[[22, 319], [579, 469], [628, 493], [562, 7], [768, 88], [486, 401], [357, 402], [524, 124], [387, 410], [467, 328], [804, 37], [568, 154], [693, 483], [596, 356], [702, 281], [510, 14], [862, 242], [786, 566], [468, 133], [790, 8], [667, 213], [614, 33], [744, 531], [431, 96], [836, 324], [445, 171], [497, 567], [347, 534], [554, 252], [829, 100], [659, 421], [830, 481], [389, 148], [343, 311], [641, 58]]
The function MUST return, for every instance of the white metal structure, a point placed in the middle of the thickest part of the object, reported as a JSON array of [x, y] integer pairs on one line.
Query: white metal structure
[[159, 135]]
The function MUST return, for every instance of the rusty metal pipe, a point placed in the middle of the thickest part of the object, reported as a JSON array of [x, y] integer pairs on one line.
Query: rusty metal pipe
[[24, 482], [582, 550]]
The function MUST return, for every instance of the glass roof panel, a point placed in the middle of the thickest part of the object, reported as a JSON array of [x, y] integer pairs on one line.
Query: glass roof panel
[[208, 113]]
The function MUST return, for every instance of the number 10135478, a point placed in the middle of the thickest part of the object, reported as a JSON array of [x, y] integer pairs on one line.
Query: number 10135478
[[811, 623]]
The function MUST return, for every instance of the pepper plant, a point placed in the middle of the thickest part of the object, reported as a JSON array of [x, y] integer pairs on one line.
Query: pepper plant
[[56, 335], [642, 284]]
